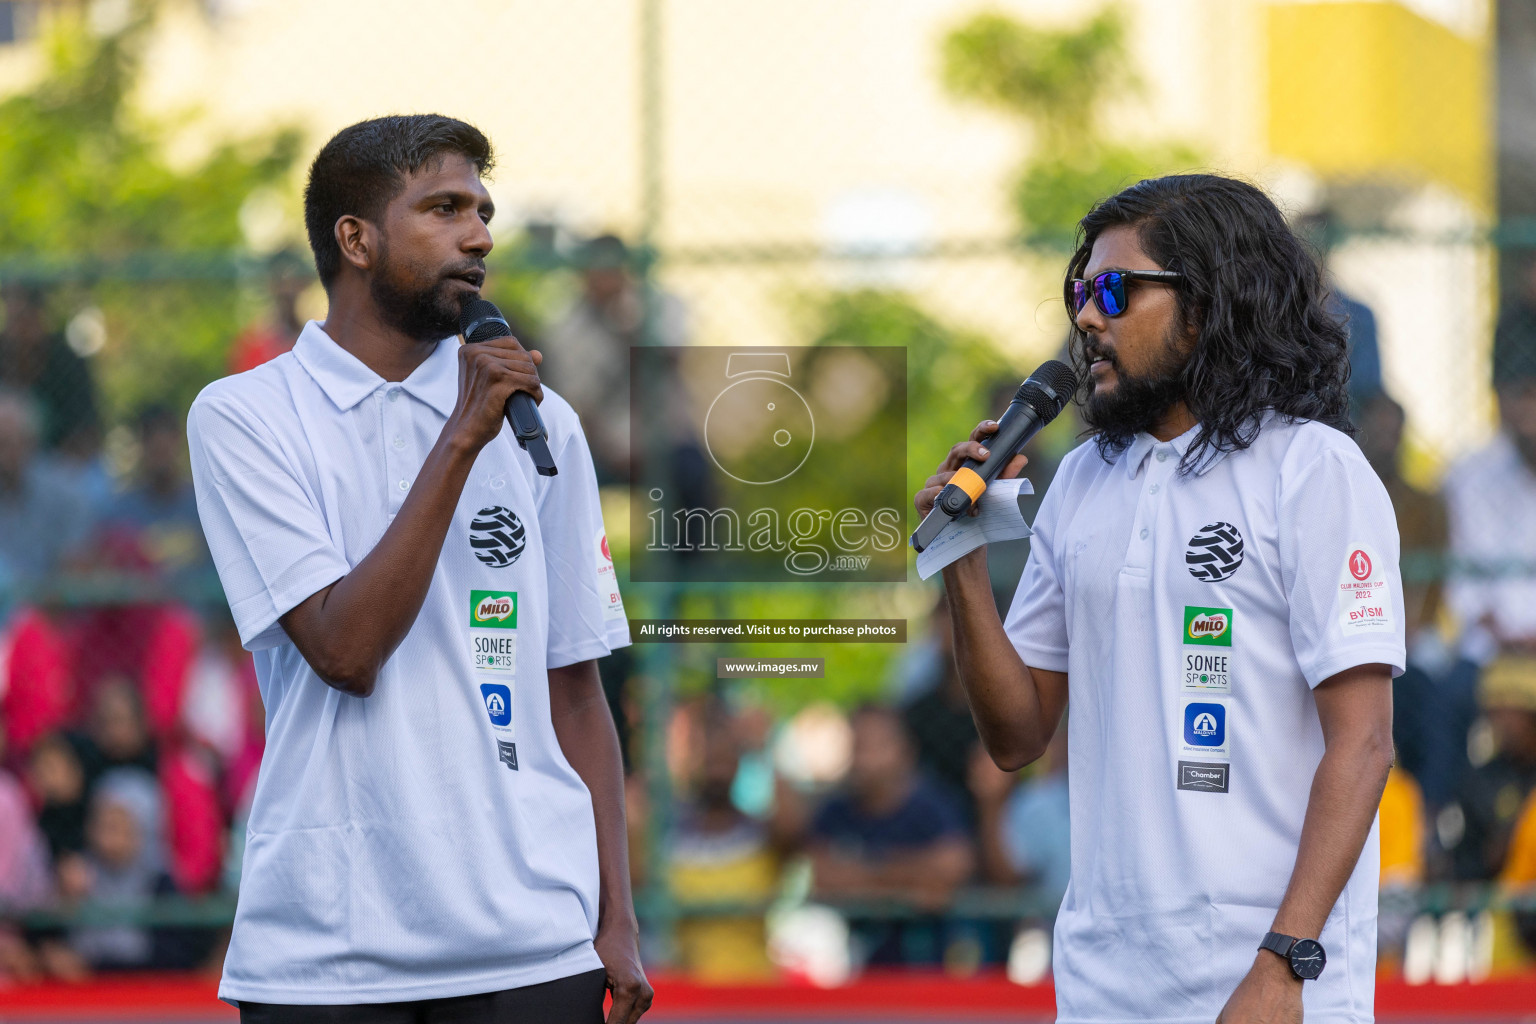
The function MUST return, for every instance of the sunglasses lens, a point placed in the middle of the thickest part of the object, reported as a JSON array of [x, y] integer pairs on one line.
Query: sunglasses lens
[[1079, 296], [1109, 291]]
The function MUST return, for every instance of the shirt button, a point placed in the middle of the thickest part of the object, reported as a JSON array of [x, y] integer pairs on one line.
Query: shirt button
[[1161, 456], [1150, 490], [399, 442], [394, 394], [405, 485], [1143, 533]]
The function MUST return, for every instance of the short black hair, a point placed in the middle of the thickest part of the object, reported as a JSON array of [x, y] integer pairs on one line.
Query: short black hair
[[364, 166]]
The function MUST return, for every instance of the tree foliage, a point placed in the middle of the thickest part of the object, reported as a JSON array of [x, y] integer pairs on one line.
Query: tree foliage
[[1051, 77], [94, 204], [1058, 82]]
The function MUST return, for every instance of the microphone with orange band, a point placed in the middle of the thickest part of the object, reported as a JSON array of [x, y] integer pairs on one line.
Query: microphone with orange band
[[1035, 404]]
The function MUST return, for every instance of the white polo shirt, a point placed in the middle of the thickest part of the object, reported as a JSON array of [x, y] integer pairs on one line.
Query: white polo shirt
[[430, 840], [1193, 614]]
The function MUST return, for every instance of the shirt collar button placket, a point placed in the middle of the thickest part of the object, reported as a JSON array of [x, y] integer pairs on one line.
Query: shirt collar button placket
[[1160, 469], [395, 415]]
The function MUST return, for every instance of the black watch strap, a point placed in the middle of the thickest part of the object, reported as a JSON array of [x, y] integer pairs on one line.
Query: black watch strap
[[1306, 957], [1277, 943]]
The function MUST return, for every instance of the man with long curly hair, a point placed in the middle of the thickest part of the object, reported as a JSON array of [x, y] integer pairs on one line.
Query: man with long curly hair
[[1212, 586]]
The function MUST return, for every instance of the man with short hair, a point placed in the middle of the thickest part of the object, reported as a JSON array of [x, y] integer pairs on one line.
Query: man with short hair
[[1214, 584], [1491, 497], [891, 835], [438, 829], [155, 516], [43, 521]]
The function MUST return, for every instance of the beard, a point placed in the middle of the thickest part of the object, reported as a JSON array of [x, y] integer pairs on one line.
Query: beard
[[422, 312], [1138, 401]]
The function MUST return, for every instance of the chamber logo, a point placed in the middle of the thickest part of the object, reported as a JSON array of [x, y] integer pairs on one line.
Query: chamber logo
[[1204, 776], [1214, 553], [1360, 565], [1208, 627], [496, 536]]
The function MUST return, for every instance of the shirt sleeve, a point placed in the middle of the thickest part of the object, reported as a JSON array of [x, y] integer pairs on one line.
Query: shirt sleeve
[[264, 527], [586, 613], [1037, 619], [1339, 567]]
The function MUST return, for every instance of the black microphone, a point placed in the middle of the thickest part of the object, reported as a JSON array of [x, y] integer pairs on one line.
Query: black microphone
[[1035, 404], [482, 321]]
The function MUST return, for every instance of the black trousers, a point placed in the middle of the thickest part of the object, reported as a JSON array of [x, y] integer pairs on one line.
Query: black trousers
[[574, 1000]]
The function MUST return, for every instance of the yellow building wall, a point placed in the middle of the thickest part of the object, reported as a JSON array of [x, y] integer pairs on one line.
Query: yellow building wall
[[1374, 90]]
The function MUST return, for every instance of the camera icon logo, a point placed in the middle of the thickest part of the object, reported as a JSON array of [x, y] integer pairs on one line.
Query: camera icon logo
[[759, 430]]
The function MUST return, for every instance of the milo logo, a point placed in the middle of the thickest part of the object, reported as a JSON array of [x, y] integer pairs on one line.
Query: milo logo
[[493, 609], [1209, 627]]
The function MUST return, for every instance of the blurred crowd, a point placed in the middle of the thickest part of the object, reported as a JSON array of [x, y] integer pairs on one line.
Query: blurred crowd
[[131, 726], [130, 721]]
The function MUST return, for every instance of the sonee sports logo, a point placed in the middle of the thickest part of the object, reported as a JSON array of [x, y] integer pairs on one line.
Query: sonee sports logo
[[1214, 553], [496, 536]]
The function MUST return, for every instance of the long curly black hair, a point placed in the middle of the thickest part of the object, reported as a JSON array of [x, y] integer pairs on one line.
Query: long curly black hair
[[1266, 337]]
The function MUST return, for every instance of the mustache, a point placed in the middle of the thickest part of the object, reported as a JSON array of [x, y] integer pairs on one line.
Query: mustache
[[1092, 351], [474, 268]]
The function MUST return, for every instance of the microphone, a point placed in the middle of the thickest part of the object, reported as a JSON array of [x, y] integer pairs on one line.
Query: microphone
[[482, 321], [1035, 404]]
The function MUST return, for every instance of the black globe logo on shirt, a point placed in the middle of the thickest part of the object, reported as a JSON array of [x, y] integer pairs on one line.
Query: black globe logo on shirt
[[496, 536], [1214, 553]]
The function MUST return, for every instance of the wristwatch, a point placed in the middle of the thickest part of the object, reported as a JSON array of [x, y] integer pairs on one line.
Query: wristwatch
[[1305, 956]]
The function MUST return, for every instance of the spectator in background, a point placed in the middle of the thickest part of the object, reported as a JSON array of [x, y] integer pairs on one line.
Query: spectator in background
[[119, 738], [40, 363], [1491, 796], [1321, 229], [1403, 827], [1421, 516], [939, 721], [1433, 701], [222, 710], [1491, 497], [891, 836], [123, 868], [587, 357], [42, 520], [57, 781], [1023, 831], [1519, 873], [24, 881], [289, 273], [118, 734], [720, 855], [156, 515], [35, 693]]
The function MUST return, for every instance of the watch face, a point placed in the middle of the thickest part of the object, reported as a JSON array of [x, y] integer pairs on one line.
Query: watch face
[[1307, 959]]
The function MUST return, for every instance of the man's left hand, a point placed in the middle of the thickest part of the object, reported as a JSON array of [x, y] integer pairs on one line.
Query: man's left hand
[[1269, 994], [619, 950]]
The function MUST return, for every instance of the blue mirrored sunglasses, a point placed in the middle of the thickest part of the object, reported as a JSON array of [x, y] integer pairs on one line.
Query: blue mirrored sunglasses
[[1108, 289]]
